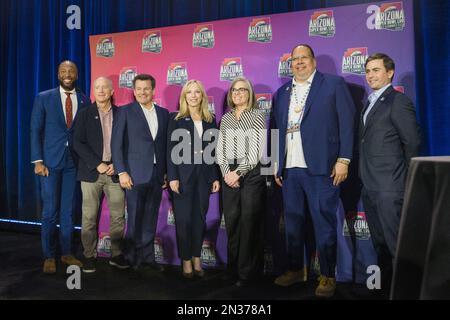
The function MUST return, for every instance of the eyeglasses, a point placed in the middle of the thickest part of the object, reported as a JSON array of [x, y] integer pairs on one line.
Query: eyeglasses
[[301, 58], [240, 90]]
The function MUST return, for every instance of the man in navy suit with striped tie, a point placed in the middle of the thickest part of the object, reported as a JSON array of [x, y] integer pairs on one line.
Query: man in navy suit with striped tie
[[52, 117]]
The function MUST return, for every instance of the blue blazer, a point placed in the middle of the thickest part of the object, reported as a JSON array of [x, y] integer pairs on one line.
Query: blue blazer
[[184, 171], [327, 127], [132, 146], [49, 133]]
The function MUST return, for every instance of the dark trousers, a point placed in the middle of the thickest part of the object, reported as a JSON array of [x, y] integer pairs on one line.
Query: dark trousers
[[143, 203], [57, 192], [301, 189], [243, 209], [190, 208], [383, 211]]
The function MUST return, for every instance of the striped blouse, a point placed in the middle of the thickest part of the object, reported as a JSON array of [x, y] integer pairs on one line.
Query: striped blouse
[[241, 141]]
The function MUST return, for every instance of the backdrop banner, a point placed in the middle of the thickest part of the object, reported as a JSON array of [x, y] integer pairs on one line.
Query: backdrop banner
[[259, 48]]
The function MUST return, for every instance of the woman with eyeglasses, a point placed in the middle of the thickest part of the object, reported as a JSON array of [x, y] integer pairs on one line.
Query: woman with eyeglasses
[[192, 175], [239, 150]]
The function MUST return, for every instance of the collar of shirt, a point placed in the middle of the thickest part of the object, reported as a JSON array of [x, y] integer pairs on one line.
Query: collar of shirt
[[61, 90], [308, 81], [373, 97], [104, 112], [233, 110], [146, 109]]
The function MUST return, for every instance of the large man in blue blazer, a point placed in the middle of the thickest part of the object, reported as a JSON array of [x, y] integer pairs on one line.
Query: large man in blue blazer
[[139, 157], [315, 116], [51, 134], [389, 137]]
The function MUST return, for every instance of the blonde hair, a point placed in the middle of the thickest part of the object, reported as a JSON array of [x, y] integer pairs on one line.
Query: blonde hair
[[251, 93], [184, 109]]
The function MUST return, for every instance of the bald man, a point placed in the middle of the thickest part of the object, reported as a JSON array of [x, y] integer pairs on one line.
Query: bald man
[[92, 143]]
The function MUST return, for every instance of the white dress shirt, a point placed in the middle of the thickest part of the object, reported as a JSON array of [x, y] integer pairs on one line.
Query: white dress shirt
[[152, 121], [295, 157]]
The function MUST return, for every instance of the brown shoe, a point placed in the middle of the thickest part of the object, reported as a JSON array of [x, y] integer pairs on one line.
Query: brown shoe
[[49, 266], [290, 277], [326, 287], [71, 260]]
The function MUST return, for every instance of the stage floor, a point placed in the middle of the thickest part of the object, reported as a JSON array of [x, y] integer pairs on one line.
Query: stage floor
[[21, 277]]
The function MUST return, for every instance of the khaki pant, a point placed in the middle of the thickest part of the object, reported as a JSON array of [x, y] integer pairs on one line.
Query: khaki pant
[[115, 197]]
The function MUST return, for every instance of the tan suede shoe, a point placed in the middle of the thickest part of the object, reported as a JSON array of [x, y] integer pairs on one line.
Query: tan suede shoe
[[49, 266], [71, 260]]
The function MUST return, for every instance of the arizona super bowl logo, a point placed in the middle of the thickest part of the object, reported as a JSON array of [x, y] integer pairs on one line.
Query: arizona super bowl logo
[[231, 68], [322, 24], [208, 253], [354, 60], [356, 220], [284, 66], [264, 102], [159, 250], [170, 217], [211, 105], [203, 36], [104, 245], [260, 30], [152, 42], [105, 47], [361, 227], [126, 77], [390, 17], [177, 73]]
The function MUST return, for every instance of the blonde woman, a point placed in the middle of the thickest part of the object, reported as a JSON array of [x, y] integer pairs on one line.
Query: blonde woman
[[239, 150], [191, 179]]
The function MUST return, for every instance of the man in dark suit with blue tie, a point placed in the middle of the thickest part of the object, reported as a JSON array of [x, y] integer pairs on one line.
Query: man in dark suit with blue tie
[[139, 157], [389, 137], [51, 135], [315, 116]]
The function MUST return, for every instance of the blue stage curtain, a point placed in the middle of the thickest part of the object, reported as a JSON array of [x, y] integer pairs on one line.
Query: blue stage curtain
[[34, 39]]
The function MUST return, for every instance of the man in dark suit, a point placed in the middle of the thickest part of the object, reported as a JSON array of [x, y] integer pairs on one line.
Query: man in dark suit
[[389, 137], [139, 156], [92, 143], [315, 116], [51, 132]]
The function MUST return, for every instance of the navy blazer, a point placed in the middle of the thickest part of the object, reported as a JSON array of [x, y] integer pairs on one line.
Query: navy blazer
[[88, 143], [183, 171], [133, 148], [387, 142], [49, 132], [327, 128]]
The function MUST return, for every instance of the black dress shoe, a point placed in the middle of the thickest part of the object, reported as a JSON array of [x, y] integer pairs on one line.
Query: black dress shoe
[[188, 275], [199, 273]]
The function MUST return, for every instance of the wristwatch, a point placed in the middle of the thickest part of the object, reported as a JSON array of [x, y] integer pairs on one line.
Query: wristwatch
[[239, 173]]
